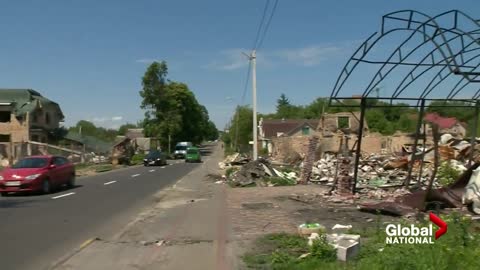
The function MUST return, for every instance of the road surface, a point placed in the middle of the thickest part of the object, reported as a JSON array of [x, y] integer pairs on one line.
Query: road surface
[[36, 230]]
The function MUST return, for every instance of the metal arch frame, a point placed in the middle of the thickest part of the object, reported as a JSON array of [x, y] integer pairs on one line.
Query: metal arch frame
[[439, 32], [430, 29]]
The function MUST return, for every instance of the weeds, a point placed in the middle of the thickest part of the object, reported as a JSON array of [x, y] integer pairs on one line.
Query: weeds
[[457, 249], [279, 181], [447, 174]]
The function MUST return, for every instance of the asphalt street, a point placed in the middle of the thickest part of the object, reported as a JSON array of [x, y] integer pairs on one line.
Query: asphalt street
[[36, 230]]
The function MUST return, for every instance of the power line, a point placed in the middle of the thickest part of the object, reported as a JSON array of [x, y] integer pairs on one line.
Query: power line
[[260, 26], [267, 25]]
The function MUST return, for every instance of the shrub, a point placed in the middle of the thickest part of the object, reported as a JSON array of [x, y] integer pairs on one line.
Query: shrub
[[447, 174], [137, 159]]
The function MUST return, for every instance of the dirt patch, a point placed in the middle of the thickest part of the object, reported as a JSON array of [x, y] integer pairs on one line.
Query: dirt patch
[[257, 206]]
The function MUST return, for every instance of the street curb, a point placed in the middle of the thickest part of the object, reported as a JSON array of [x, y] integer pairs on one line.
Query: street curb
[[73, 253]]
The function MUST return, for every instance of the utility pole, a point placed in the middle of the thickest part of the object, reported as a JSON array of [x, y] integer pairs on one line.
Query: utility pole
[[253, 57]]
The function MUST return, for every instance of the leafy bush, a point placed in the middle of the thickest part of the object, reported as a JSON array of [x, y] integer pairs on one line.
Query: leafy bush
[[137, 159], [447, 174], [321, 249]]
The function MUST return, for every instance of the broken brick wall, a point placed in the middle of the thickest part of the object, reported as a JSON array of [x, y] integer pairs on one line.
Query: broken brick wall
[[287, 148], [18, 131]]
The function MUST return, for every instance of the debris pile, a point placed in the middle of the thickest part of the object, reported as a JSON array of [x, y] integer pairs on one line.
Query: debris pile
[[258, 173], [234, 160]]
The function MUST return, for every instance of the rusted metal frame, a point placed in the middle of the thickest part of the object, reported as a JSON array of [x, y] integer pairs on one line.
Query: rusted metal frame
[[417, 135], [363, 105]]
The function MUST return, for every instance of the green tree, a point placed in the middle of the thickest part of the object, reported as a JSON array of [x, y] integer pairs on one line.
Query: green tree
[[171, 108], [240, 129], [87, 128]]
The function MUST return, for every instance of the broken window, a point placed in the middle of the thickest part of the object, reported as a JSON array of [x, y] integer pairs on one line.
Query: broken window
[[4, 138], [47, 118], [305, 130], [343, 122], [4, 116]]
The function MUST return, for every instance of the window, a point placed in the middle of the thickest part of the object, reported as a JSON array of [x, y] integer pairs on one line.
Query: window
[[4, 138], [343, 122], [34, 118], [5, 117], [47, 118], [306, 130], [59, 161], [31, 163]]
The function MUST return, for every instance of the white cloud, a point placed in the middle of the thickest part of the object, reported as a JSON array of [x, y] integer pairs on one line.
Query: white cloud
[[147, 60], [230, 59], [308, 56], [117, 118], [99, 119]]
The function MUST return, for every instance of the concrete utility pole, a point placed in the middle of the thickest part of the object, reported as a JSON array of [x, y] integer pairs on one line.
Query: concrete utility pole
[[253, 57]]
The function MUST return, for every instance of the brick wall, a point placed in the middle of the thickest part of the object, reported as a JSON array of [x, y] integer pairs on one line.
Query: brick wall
[[18, 131]]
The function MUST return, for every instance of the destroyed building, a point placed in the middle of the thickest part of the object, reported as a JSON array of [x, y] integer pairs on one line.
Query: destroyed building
[[287, 139], [25, 115]]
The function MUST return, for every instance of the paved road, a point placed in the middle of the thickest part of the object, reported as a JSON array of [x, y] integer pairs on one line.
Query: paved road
[[36, 230]]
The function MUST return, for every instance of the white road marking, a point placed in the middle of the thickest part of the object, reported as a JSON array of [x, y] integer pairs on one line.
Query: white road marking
[[162, 167], [175, 186], [64, 195], [108, 183], [151, 170], [135, 175], [170, 164]]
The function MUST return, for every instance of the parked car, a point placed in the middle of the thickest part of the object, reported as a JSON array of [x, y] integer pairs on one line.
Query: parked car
[[193, 155], [155, 158], [37, 173]]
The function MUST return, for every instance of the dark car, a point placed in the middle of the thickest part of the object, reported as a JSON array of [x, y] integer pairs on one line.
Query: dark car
[[155, 158], [37, 173]]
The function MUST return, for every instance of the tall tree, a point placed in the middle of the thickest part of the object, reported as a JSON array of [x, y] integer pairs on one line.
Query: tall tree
[[172, 111]]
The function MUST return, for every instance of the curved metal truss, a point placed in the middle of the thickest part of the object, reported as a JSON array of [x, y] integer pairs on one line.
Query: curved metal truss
[[445, 48], [455, 37]]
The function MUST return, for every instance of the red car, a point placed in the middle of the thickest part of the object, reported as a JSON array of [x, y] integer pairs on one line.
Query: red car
[[37, 173]]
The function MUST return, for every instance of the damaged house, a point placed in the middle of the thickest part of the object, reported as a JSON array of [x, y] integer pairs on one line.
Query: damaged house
[[25, 115], [287, 139], [276, 135]]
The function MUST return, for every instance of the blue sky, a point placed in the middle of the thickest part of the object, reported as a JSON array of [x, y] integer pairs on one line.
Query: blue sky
[[89, 56]]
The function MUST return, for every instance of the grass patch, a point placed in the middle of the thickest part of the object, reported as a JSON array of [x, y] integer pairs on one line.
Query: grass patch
[[279, 181], [457, 249], [104, 168], [282, 251]]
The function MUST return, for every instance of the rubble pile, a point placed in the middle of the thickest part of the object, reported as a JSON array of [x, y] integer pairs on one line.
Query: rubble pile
[[233, 160], [257, 172]]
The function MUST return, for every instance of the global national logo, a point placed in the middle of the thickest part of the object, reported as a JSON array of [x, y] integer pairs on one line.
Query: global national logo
[[400, 234]]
